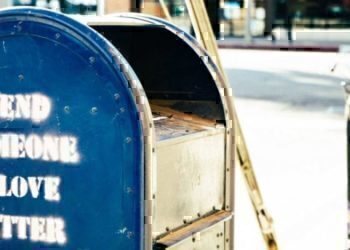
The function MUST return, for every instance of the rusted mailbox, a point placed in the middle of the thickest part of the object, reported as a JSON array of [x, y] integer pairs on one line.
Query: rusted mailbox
[[113, 136]]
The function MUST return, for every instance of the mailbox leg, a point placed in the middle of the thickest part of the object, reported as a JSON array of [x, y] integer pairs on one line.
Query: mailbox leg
[[348, 151], [346, 85], [348, 158]]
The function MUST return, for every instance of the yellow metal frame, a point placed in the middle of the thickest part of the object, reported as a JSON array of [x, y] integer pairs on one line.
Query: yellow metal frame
[[204, 33], [165, 10]]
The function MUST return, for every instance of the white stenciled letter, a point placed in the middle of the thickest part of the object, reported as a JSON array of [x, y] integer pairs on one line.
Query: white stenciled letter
[[37, 229], [68, 149], [3, 185], [22, 227], [55, 231], [6, 227], [34, 185], [33, 146], [51, 148], [5, 146], [19, 187], [7, 106], [41, 107], [51, 188], [23, 106]]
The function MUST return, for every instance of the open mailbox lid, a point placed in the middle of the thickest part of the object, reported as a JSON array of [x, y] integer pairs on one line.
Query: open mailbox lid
[[169, 63], [99, 126]]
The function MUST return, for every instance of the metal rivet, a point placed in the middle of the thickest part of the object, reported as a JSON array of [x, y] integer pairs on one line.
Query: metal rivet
[[66, 109], [128, 139], [129, 235], [92, 59], [57, 35], [116, 96], [129, 190], [122, 110], [93, 110], [21, 77]]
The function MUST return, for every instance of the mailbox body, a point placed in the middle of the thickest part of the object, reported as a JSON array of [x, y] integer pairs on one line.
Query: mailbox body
[[147, 131], [51, 55]]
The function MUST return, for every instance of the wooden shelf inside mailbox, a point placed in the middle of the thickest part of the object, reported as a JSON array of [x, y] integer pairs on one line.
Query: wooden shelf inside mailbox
[[170, 123], [177, 236], [190, 167]]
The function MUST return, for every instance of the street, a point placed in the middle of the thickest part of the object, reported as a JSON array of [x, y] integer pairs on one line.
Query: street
[[291, 108]]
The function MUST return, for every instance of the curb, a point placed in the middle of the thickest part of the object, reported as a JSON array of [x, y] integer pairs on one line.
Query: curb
[[286, 47]]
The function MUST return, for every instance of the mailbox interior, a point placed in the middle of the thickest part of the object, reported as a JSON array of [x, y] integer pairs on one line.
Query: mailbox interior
[[189, 123], [170, 71]]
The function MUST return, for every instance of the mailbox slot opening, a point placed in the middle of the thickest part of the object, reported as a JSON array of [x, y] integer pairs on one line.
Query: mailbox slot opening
[[170, 71]]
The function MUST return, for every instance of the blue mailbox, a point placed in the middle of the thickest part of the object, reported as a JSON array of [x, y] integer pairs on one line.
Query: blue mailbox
[[69, 125], [113, 136]]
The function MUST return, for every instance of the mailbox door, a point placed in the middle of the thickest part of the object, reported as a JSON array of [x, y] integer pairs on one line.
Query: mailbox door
[[71, 142]]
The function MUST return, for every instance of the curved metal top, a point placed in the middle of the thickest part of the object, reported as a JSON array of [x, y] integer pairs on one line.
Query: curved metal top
[[71, 158], [169, 62]]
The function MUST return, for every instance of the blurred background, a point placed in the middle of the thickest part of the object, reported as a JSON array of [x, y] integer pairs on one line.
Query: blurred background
[[285, 60], [230, 17]]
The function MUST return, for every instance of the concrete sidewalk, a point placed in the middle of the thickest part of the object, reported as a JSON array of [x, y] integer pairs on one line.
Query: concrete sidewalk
[[265, 44], [320, 40], [291, 108]]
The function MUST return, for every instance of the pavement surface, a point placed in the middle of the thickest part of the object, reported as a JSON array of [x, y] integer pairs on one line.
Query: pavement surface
[[291, 110], [303, 39], [262, 43]]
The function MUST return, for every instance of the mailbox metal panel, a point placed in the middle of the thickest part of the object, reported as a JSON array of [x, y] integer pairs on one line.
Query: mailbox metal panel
[[190, 178], [178, 74], [96, 197]]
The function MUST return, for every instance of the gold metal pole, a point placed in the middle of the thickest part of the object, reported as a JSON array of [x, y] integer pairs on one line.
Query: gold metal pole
[[165, 10], [204, 33]]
